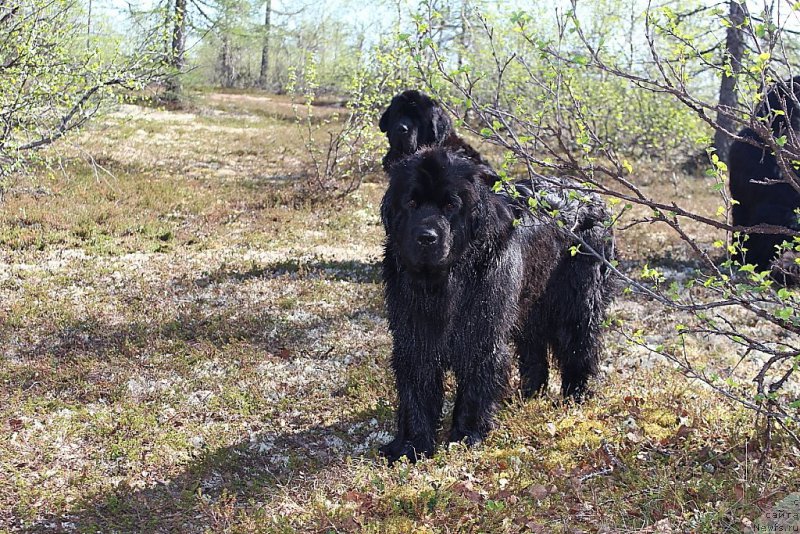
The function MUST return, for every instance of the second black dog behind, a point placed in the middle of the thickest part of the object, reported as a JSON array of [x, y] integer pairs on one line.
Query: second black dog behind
[[414, 121]]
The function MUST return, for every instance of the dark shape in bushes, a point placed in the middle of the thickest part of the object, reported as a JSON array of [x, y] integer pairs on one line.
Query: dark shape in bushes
[[462, 281], [757, 183]]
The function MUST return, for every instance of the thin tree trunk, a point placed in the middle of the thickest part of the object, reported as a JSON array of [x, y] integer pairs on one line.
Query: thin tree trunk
[[178, 55], [462, 36], [734, 48], [226, 63], [399, 25], [168, 14], [89, 26], [263, 77], [179, 36]]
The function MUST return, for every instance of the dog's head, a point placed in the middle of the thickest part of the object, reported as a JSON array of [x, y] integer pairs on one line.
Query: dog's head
[[414, 120], [436, 207]]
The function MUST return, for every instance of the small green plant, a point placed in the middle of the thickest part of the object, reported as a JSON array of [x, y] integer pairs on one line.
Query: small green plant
[[343, 148]]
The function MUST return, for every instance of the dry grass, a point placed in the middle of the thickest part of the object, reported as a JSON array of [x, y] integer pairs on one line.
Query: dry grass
[[188, 347]]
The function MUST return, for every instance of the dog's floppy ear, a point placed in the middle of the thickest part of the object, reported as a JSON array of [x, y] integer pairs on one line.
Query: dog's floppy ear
[[488, 176], [479, 197], [441, 123], [384, 122], [398, 180], [495, 206], [387, 213]]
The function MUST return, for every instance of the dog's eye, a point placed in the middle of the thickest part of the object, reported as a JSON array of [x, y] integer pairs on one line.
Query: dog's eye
[[411, 204], [452, 206]]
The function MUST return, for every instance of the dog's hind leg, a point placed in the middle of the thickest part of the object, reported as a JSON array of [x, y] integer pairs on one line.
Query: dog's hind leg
[[533, 365], [577, 350]]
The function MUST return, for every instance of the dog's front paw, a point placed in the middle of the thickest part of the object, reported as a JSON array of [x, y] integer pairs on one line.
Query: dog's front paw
[[399, 447], [468, 437]]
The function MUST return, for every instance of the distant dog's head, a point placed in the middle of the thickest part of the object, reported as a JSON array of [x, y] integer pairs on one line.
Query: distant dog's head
[[436, 206], [781, 107], [413, 120]]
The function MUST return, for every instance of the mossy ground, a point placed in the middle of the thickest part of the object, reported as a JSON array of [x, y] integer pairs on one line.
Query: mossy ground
[[189, 346]]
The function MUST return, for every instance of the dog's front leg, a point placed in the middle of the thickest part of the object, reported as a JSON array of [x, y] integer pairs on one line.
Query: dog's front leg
[[420, 396], [482, 383]]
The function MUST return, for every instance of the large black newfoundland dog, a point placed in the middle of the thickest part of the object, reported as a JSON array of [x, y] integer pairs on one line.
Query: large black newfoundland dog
[[758, 184], [463, 281], [414, 120]]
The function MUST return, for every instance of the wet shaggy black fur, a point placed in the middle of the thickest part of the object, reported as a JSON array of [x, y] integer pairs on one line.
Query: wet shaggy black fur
[[413, 121], [463, 282], [751, 170]]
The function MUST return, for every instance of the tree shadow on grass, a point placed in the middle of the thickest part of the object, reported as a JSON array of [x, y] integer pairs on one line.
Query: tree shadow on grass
[[88, 351], [99, 340], [249, 473], [192, 322], [315, 269], [89, 360]]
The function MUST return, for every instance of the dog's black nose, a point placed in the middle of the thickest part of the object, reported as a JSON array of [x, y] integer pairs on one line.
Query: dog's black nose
[[402, 128], [427, 236]]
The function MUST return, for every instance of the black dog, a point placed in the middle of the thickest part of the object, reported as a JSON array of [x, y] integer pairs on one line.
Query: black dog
[[752, 168], [413, 121], [462, 281]]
